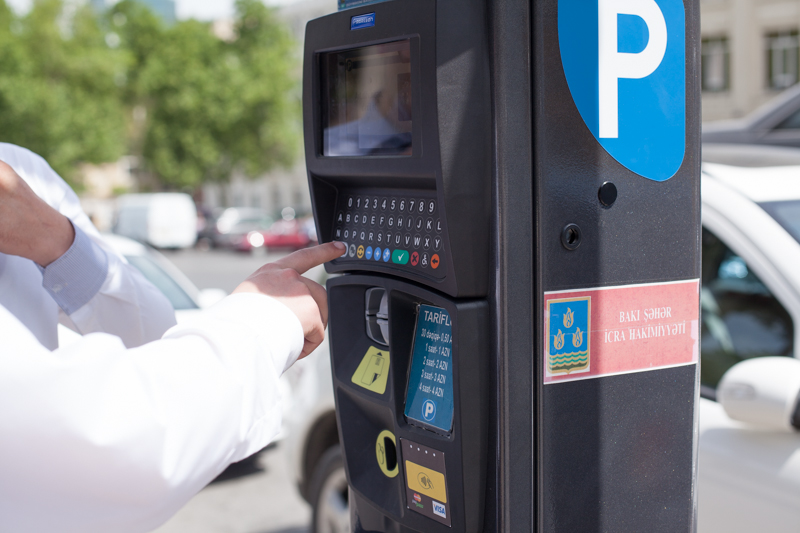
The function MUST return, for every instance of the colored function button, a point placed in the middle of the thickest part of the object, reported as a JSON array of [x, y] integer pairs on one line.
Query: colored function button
[[360, 252], [399, 257], [414, 258], [377, 254], [368, 252], [352, 251], [387, 254], [435, 261]]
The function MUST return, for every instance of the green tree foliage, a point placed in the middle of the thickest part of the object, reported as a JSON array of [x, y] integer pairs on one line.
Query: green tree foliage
[[78, 87], [212, 105], [59, 93]]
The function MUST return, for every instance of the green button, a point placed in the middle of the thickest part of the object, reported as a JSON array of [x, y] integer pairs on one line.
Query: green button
[[400, 257]]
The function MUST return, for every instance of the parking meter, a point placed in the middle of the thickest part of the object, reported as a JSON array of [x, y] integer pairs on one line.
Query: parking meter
[[514, 338]]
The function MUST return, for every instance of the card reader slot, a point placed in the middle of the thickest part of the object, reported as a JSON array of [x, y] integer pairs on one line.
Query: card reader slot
[[377, 315]]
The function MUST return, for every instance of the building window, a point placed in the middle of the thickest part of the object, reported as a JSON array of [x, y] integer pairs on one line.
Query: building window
[[715, 64], [782, 59]]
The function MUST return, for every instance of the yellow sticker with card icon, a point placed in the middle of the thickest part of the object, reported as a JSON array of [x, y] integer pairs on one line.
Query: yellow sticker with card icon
[[373, 371]]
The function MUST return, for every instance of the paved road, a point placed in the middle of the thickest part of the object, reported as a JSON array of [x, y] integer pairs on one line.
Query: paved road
[[256, 496]]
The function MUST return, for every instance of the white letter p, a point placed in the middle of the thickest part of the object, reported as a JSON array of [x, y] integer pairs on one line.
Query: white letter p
[[613, 65]]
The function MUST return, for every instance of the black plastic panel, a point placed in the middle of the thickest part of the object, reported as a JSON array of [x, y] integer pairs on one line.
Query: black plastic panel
[[363, 414], [452, 147]]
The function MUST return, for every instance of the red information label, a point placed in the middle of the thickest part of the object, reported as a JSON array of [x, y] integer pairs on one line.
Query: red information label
[[591, 333]]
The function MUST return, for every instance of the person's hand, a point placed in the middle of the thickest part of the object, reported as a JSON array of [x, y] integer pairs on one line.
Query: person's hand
[[308, 300], [28, 226]]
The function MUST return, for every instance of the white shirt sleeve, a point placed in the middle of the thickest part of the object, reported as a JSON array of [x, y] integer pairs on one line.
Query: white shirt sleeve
[[97, 438], [124, 303]]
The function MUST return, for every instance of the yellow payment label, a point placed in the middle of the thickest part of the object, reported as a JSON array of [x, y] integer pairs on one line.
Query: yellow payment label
[[360, 252], [373, 371], [428, 482]]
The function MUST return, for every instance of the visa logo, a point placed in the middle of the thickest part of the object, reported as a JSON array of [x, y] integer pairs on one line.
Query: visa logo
[[439, 509], [359, 22]]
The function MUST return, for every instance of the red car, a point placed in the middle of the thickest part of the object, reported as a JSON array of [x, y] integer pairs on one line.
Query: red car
[[290, 234]]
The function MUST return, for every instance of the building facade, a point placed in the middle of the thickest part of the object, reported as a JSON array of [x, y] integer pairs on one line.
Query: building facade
[[749, 52]]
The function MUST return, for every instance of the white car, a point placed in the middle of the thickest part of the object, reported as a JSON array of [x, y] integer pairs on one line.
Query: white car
[[184, 296], [749, 467]]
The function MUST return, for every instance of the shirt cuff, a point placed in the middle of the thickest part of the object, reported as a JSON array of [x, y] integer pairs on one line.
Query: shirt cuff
[[74, 278]]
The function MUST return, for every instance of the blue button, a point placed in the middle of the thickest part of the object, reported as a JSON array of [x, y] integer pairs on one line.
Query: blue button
[[387, 254], [377, 253], [368, 252]]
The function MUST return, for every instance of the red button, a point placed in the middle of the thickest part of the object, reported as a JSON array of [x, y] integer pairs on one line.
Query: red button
[[414, 259], [435, 261]]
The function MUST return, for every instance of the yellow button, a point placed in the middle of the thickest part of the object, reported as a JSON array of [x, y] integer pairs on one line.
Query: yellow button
[[360, 252], [428, 482]]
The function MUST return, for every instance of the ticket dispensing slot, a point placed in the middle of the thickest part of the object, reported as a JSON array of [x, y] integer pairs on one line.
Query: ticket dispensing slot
[[412, 418]]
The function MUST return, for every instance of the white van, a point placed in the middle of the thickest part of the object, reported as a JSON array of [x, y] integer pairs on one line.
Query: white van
[[163, 220]]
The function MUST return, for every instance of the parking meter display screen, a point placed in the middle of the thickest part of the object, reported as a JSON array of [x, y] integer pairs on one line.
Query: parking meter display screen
[[366, 101], [429, 399]]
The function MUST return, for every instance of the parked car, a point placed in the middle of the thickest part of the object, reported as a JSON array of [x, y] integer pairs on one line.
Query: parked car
[[775, 123], [163, 220], [749, 473], [290, 234], [184, 296], [238, 228]]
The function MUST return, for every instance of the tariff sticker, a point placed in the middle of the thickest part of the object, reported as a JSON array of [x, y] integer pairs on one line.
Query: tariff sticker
[[591, 333]]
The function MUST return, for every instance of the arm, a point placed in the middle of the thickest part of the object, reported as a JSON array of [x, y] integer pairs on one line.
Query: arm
[[95, 437], [94, 286]]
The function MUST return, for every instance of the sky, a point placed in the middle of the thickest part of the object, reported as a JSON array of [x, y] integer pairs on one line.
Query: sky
[[199, 9]]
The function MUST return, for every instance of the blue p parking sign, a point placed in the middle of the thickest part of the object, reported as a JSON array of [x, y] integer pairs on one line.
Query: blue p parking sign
[[624, 61]]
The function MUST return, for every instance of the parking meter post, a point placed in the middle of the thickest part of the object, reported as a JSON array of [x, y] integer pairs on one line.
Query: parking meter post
[[514, 338]]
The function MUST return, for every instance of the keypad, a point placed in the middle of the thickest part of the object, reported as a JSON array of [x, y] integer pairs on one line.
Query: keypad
[[403, 230]]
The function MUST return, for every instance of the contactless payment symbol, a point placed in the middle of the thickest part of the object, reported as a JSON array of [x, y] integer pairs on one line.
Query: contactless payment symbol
[[428, 410], [625, 66], [568, 328]]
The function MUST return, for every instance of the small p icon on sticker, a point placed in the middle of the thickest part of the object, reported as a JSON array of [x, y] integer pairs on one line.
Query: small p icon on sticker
[[428, 410]]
